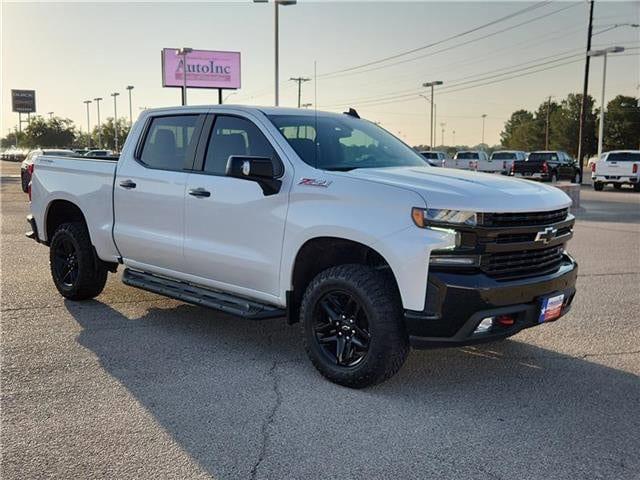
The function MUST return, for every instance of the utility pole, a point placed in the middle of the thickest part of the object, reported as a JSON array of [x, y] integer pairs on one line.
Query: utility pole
[[585, 88], [431, 85], [98, 100], [546, 130], [299, 80], [442, 134], [87, 102], [484, 116]]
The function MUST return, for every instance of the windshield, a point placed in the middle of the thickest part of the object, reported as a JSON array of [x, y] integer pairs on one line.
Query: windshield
[[624, 157], [344, 143], [429, 155], [503, 156], [543, 156], [467, 156]]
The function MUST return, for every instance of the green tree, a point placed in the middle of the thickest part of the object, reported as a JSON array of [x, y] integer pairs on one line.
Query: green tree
[[53, 132], [521, 131], [565, 124], [107, 134], [12, 139], [622, 124]]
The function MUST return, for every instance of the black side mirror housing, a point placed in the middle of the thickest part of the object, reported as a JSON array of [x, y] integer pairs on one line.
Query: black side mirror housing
[[262, 170]]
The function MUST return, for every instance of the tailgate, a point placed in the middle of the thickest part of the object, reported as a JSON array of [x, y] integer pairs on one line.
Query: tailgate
[[614, 168], [526, 166]]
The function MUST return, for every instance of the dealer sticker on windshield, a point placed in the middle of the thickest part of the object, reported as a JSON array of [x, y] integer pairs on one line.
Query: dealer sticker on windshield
[[551, 308]]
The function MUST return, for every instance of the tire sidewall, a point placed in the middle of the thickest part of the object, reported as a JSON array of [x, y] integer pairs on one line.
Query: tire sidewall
[[58, 237], [380, 313]]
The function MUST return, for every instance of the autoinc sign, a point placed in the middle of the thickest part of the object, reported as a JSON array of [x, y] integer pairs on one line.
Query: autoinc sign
[[23, 101], [204, 68]]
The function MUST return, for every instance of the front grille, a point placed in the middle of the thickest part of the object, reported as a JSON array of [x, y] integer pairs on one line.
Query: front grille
[[526, 237], [523, 219], [525, 263]]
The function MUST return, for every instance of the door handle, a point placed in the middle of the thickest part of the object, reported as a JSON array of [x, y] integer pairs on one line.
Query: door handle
[[127, 184], [199, 192]]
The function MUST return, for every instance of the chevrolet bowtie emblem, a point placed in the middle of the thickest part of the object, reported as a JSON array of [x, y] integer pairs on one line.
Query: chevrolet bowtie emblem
[[546, 235]]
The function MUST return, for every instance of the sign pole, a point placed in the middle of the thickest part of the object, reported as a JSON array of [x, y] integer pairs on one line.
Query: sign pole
[[219, 96]]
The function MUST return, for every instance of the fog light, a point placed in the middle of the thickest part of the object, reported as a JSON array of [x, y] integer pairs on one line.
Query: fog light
[[484, 326], [505, 320]]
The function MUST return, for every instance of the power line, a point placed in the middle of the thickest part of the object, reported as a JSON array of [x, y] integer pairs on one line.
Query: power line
[[433, 44]]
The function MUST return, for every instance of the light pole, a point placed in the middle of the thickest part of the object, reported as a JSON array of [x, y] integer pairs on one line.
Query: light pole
[[98, 100], [427, 85], [87, 102], [427, 111], [277, 4], [50, 115], [184, 52], [299, 80], [130, 87], [603, 53], [484, 116], [115, 120]]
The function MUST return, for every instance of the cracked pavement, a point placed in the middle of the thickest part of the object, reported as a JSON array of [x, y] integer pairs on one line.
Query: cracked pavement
[[133, 385]]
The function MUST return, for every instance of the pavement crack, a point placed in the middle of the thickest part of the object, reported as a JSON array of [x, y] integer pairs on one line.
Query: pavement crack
[[268, 421]]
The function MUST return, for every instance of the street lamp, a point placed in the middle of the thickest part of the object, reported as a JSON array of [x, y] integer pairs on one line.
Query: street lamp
[[98, 100], [115, 120], [87, 102], [484, 116], [427, 85], [130, 87], [427, 110], [603, 53], [277, 4], [183, 52]]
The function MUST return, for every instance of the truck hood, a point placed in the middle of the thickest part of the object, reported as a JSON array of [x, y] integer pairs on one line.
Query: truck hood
[[465, 190]]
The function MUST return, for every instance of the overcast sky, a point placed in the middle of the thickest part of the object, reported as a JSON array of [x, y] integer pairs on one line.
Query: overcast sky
[[76, 51]]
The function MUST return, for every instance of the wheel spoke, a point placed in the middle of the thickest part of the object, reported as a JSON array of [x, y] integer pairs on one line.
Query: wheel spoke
[[324, 328], [361, 334], [359, 343], [340, 349], [328, 339], [66, 275], [329, 310]]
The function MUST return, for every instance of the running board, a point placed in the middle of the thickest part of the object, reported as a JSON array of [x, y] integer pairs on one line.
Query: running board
[[201, 296]]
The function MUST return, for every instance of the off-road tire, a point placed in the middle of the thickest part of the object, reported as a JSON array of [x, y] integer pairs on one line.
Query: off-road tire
[[379, 299], [598, 186], [91, 272]]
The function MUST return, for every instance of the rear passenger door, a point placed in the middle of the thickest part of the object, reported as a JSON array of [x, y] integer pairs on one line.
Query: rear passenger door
[[233, 230], [149, 193]]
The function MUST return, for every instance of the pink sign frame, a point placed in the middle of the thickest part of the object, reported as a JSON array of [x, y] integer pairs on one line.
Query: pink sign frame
[[205, 69]]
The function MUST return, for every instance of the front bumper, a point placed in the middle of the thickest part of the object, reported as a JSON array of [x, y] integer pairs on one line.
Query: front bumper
[[457, 302]]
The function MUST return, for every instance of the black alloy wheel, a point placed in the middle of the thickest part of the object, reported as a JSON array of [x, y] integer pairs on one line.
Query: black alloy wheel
[[341, 328], [65, 263]]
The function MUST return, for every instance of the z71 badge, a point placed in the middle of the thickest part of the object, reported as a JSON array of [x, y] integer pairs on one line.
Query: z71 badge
[[315, 182]]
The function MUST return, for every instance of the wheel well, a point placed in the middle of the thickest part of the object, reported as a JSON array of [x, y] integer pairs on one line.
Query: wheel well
[[318, 254], [59, 212]]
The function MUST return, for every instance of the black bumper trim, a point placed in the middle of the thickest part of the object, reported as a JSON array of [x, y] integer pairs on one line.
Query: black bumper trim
[[457, 302]]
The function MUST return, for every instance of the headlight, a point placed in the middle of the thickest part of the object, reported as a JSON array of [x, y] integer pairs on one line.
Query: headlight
[[422, 217]]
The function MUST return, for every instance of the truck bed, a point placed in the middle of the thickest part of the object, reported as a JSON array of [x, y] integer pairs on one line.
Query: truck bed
[[86, 182]]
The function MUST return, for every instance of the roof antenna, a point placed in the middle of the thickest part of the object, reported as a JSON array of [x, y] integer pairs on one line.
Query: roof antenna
[[352, 113]]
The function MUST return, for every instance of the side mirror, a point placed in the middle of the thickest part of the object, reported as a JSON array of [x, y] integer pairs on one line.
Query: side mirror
[[262, 170]]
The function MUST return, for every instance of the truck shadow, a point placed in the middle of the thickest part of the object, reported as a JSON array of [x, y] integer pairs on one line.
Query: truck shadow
[[219, 384]]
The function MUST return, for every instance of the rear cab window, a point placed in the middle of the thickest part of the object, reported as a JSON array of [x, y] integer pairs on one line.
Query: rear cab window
[[170, 141], [624, 157], [467, 156]]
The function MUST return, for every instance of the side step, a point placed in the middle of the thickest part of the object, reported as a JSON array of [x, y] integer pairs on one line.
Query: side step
[[201, 296]]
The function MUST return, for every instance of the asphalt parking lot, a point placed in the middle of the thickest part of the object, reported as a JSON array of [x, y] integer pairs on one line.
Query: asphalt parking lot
[[133, 385]]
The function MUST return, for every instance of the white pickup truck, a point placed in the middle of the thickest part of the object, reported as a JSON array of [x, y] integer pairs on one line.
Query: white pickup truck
[[321, 218], [617, 168]]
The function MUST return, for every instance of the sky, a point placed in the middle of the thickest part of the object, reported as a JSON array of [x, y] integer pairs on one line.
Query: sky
[[70, 52]]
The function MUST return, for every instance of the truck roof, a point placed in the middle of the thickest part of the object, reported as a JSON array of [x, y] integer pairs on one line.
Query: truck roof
[[247, 108]]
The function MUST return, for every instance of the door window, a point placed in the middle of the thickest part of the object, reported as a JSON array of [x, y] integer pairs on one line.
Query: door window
[[234, 136], [169, 142]]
